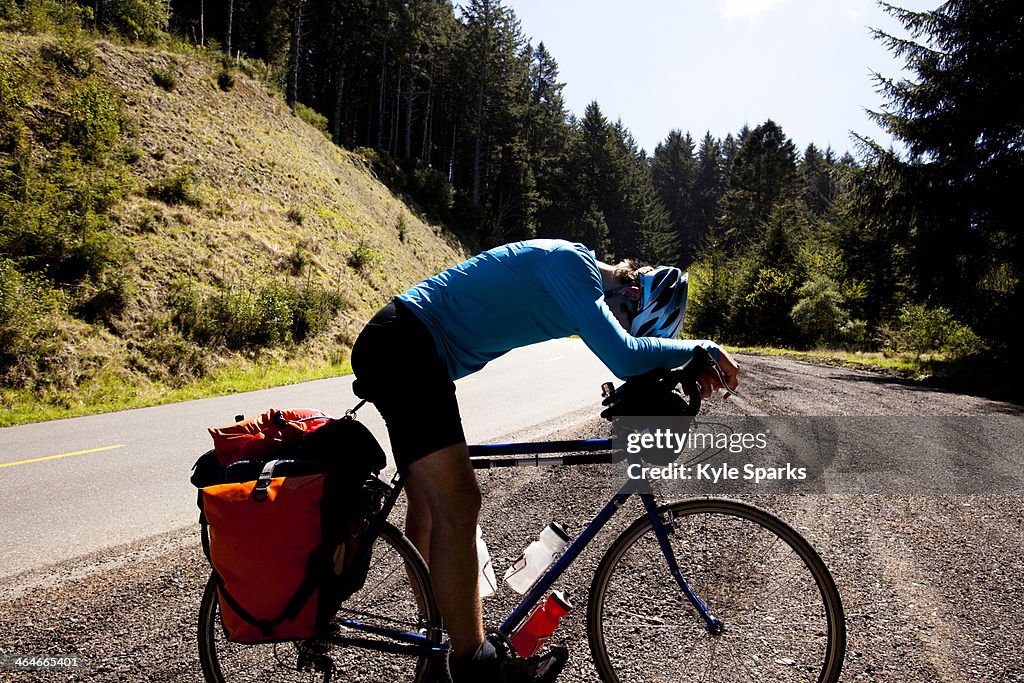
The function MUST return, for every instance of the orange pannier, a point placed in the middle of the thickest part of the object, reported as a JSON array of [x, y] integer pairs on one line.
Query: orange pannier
[[282, 534], [272, 548]]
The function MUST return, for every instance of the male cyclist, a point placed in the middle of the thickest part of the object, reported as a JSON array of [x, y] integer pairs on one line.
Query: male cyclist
[[409, 355]]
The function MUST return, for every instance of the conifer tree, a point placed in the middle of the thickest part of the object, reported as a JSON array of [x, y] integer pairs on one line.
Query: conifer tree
[[764, 173], [818, 190], [708, 185], [953, 195], [674, 174], [548, 139]]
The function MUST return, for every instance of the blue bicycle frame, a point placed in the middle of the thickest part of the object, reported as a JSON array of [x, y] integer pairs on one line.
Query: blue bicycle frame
[[480, 457], [583, 452]]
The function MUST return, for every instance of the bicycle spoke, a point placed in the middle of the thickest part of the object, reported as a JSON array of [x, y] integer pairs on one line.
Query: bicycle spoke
[[380, 583], [711, 660], [740, 565], [741, 660]]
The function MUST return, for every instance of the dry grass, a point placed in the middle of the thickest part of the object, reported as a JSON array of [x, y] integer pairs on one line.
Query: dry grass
[[257, 167]]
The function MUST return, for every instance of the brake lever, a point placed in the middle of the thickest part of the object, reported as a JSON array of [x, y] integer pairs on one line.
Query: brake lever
[[721, 378], [710, 363]]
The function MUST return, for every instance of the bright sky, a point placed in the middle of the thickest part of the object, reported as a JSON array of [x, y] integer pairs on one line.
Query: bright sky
[[700, 65]]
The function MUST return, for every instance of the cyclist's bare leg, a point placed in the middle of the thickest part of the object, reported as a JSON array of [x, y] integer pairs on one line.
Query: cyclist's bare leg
[[417, 518], [447, 484]]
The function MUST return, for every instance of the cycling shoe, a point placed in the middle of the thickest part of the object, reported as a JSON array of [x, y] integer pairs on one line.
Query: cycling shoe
[[505, 669], [545, 668]]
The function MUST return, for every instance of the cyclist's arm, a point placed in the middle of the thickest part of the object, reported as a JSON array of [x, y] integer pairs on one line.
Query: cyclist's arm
[[577, 289]]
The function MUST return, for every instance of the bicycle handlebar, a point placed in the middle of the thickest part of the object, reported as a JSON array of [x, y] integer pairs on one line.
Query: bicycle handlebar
[[656, 392]]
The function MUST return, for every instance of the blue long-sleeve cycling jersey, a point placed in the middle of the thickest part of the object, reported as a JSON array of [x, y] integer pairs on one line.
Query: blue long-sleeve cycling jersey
[[528, 292]]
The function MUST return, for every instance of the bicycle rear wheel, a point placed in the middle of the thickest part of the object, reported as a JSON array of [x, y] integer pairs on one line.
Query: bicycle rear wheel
[[781, 614], [396, 595]]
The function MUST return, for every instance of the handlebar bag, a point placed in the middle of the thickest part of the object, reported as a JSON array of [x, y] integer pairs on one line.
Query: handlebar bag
[[660, 401]]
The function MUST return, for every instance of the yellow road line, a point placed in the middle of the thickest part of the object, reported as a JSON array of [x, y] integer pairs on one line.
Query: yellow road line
[[62, 455], [551, 360]]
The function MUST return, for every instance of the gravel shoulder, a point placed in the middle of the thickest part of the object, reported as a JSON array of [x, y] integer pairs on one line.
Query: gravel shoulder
[[932, 585]]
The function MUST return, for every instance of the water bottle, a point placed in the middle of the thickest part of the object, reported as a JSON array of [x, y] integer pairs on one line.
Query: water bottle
[[537, 557], [488, 583], [540, 624]]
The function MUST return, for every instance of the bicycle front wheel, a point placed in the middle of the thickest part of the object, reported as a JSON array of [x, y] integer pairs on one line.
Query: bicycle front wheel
[[781, 615], [396, 596]]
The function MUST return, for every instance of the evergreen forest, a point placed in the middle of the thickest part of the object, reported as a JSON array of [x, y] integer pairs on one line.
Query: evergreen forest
[[913, 249]]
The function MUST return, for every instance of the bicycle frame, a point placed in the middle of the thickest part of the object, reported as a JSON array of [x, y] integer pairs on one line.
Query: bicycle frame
[[583, 452], [555, 571]]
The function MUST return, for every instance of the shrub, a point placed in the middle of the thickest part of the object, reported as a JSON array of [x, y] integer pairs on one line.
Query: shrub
[[73, 53], [15, 90], [314, 308], [106, 297], [40, 16], [761, 304], [710, 283], [363, 257], [383, 167], [181, 187], [165, 78], [54, 217], [144, 20], [8, 10], [26, 301], [264, 314], [432, 191], [313, 118], [270, 75], [298, 260], [818, 314], [95, 120], [225, 78], [166, 356], [854, 334], [921, 330]]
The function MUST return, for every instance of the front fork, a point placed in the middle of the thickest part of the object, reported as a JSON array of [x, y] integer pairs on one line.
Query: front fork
[[663, 526]]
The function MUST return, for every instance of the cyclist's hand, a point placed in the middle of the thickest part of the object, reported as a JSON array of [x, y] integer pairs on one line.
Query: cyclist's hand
[[709, 381]]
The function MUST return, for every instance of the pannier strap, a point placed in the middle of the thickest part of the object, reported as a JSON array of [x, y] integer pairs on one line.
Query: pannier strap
[[351, 412], [310, 582], [259, 492]]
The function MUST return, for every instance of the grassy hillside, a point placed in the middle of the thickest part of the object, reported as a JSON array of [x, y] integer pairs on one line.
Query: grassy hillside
[[169, 224]]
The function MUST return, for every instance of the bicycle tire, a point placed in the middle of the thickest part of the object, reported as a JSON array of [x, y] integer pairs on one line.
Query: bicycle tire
[[728, 551], [388, 597]]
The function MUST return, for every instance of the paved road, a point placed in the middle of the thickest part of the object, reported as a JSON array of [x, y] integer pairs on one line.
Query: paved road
[[126, 477]]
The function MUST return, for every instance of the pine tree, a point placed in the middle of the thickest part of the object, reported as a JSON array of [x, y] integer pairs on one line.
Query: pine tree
[[708, 185], [591, 172], [502, 179], [548, 139], [674, 174], [764, 173], [816, 171], [954, 194]]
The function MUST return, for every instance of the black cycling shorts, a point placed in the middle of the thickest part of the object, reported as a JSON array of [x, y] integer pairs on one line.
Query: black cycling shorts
[[398, 369]]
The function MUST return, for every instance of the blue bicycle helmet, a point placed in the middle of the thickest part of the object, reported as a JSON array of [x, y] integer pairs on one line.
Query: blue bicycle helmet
[[662, 302]]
